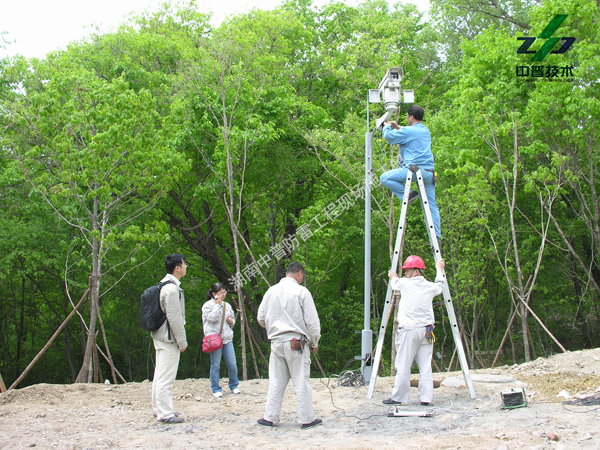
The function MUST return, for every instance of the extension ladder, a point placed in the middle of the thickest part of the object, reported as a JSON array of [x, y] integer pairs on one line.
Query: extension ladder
[[446, 292]]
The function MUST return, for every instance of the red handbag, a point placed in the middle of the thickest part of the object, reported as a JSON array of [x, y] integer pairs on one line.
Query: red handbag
[[214, 342], [211, 343]]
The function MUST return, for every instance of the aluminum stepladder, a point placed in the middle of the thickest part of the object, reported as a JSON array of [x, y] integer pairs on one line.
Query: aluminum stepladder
[[446, 291]]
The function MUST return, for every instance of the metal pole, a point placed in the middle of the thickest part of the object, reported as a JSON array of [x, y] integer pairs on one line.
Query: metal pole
[[367, 334]]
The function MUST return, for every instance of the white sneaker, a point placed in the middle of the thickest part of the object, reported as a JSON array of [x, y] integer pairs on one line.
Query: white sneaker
[[236, 391], [218, 394]]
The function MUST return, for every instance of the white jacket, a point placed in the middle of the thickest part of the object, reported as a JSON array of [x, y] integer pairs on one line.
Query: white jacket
[[288, 311], [211, 320], [172, 303], [415, 309]]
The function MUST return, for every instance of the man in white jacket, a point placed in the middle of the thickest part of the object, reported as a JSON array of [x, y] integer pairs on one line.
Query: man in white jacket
[[169, 340], [288, 313], [414, 338]]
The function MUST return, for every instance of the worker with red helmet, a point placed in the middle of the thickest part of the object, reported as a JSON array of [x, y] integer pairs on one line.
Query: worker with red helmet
[[414, 340]]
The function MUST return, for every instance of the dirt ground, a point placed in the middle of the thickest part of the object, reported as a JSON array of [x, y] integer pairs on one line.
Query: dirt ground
[[120, 417]]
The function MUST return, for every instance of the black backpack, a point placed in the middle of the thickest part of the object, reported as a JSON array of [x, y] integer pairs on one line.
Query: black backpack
[[151, 314]]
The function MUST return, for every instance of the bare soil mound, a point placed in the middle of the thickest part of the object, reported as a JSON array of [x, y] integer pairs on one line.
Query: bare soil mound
[[120, 417]]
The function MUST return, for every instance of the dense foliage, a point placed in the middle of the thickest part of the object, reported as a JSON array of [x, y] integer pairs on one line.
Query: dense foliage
[[242, 146]]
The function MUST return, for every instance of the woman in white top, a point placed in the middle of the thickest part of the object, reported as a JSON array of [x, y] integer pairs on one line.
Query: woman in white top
[[212, 313]]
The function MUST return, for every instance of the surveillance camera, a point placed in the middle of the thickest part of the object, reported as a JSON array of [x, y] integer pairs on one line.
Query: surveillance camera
[[389, 89], [392, 79], [390, 92]]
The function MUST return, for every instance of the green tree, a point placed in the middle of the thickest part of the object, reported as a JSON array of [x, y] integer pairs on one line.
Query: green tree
[[97, 152]]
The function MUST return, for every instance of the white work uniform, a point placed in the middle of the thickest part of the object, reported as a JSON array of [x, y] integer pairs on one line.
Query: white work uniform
[[288, 312], [168, 340], [415, 312]]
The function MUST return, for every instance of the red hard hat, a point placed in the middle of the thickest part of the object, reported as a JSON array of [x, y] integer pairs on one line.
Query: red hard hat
[[413, 262]]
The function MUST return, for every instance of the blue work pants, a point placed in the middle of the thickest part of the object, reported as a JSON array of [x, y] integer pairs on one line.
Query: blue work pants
[[395, 179], [228, 353]]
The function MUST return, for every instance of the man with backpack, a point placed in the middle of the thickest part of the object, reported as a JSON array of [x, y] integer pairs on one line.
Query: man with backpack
[[169, 339]]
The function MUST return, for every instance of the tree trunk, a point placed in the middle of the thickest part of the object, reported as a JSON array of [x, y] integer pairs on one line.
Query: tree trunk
[[474, 331], [512, 347], [20, 329], [86, 372], [525, 330], [230, 206]]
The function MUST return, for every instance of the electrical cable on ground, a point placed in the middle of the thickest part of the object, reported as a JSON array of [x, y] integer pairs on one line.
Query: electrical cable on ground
[[587, 401], [354, 378], [358, 381]]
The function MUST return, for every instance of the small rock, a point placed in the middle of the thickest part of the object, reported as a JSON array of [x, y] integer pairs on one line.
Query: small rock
[[564, 394], [552, 436], [198, 399], [503, 447], [586, 438], [33, 445]]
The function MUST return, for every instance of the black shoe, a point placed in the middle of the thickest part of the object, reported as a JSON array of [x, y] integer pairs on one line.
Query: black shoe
[[173, 420], [265, 422], [389, 401], [312, 424], [412, 196], [426, 404]]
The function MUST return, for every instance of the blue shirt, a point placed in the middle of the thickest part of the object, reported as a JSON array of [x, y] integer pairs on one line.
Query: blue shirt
[[415, 144]]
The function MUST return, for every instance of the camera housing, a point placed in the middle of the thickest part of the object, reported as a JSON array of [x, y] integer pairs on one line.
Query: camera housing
[[390, 91]]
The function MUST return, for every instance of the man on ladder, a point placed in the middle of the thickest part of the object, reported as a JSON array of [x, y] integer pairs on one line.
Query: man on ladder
[[414, 337], [415, 148], [415, 151]]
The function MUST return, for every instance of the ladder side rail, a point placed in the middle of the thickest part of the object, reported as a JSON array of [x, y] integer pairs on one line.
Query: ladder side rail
[[388, 296], [446, 291]]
